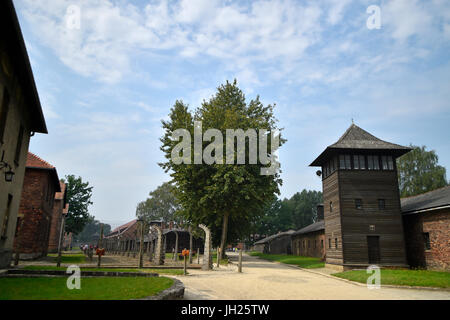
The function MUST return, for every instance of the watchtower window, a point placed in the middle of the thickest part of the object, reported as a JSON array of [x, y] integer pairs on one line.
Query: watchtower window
[[387, 163], [331, 206], [381, 204], [345, 161], [358, 204], [373, 163], [359, 162]]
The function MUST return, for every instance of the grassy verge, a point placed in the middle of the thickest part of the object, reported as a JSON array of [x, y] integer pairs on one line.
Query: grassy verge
[[303, 262], [160, 271], [117, 288], [402, 277]]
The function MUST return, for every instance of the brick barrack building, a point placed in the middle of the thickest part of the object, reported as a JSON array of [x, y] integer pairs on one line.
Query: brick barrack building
[[60, 209], [20, 117], [36, 208]]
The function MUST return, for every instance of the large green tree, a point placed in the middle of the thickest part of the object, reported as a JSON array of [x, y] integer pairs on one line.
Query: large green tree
[[160, 205], [91, 231], [222, 195], [79, 195], [294, 213], [419, 172]]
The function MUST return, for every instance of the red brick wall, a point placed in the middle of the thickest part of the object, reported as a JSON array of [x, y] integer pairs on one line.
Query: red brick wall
[[309, 245], [55, 226], [437, 224], [33, 233]]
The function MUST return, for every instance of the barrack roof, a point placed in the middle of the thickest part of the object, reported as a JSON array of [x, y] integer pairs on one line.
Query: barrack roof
[[317, 226], [435, 199], [274, 236]]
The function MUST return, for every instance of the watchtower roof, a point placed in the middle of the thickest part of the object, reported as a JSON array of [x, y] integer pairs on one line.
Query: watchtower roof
[[356, 138]]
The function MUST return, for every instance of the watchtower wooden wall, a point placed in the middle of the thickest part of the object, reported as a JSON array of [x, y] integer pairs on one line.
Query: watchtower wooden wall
[[371, 220]]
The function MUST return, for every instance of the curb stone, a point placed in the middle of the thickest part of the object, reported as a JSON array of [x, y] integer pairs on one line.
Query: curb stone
[[175, 292], [362, 284]]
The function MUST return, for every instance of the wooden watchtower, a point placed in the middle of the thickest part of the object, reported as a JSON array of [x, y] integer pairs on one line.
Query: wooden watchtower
[[363, 222]]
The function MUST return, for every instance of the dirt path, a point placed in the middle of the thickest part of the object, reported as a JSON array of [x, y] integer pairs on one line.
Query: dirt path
[[269, 280]]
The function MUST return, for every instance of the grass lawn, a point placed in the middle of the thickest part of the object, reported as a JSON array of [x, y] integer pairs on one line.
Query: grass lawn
[[114, 288], [303, 262], [69, 258], [420, 278], [160, 271]]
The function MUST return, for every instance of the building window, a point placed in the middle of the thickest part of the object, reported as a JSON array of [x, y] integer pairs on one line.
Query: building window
[[381, 204], [387, 163], [329, 243], [358, 204], [373, 163], [331, 206], [390, 163], [345, 161], [4, 231], [4, 112], [359, 162], [321, 243], [426, 240], [19, 146], [336, 242]]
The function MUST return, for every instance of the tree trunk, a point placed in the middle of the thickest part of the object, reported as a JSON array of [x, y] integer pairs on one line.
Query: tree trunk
[[224, 234]]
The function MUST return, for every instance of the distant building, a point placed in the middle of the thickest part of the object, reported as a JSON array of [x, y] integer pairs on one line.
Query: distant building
[[279, 243], [363, 220], [60, 210], [36, 208], [310, 240], [126, 238], [20, 117], [426, 219]]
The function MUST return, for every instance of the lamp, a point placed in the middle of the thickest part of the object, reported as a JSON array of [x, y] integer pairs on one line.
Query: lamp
[[9, 174]]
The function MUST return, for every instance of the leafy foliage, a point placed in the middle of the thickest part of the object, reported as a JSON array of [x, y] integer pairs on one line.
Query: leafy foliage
[[295, 213], [160, 206], [79, 195], [225, 197], [419, 172], [91, 232]]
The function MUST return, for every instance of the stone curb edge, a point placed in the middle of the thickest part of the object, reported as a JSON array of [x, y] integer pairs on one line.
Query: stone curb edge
[[175, 292], [359, 283], [364, 285]]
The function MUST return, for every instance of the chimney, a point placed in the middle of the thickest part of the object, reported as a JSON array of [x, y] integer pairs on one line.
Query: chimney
[[320, 215]]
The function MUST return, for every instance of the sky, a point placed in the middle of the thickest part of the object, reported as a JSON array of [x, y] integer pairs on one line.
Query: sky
[[108, 71]]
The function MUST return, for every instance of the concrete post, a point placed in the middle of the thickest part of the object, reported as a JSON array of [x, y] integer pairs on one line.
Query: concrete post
[[100, 243], [159, 257], [175, 254], [190, 245], [207, 257], [141, 247], [218, 257], [240, 261]]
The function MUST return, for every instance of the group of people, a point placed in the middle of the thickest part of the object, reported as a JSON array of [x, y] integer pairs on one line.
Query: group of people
[[88, 250]]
